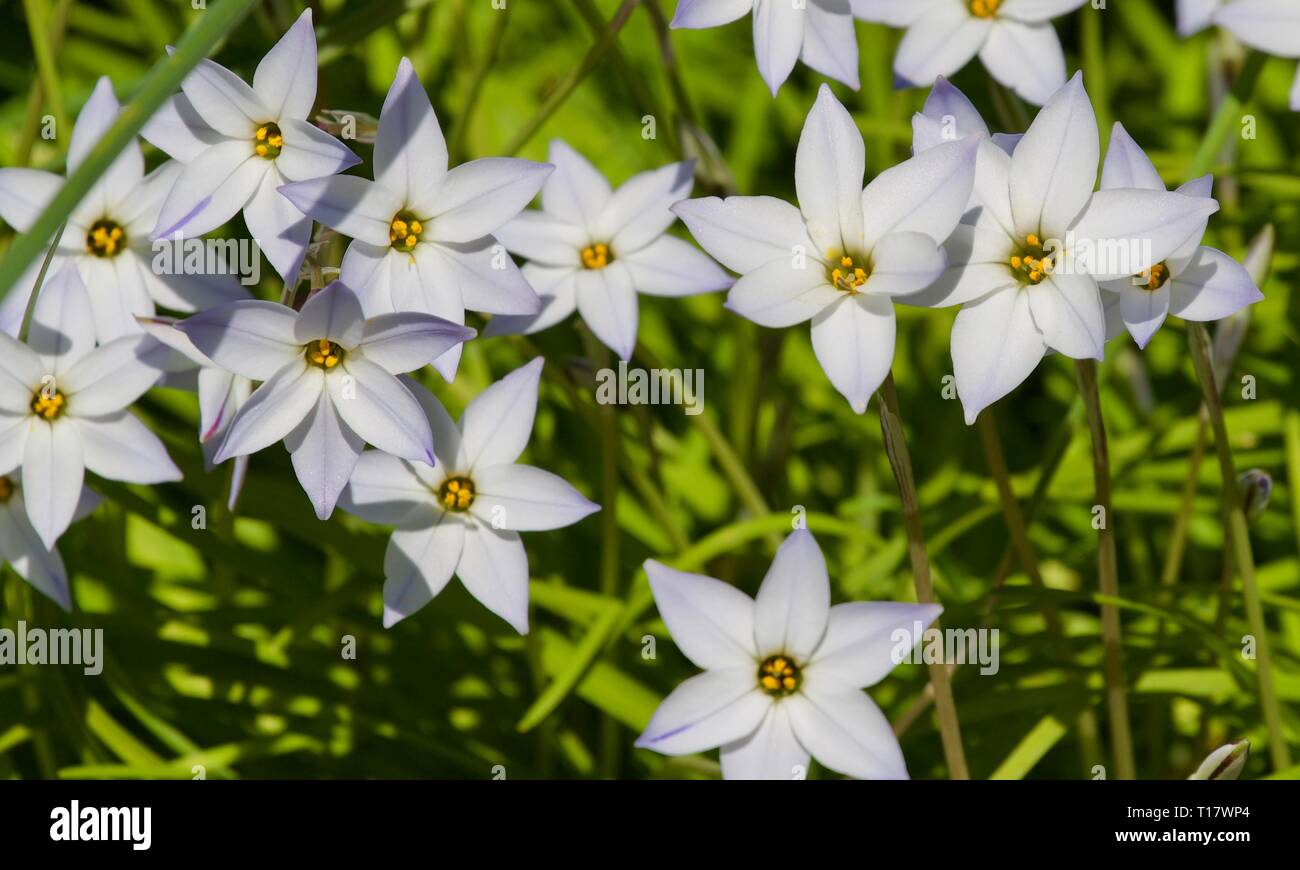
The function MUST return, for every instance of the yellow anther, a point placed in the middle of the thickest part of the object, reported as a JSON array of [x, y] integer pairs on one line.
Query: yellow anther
[[456, 494], [404, 230], [1035, 277], [846, 262], [1015, 262], [1033, 241], [1157, 276], [779, 676], [848, 277], [6, 489], [324, 354], [984, 8], [48, 404], [105, 238], [596, 256], [268, 141]]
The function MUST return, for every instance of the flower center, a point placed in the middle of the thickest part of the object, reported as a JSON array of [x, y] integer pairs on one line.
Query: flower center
[[6, 489], [324, 354], [268, 141], [850, 274], [596, 256], [1033, 263], [105, 238], [456, 494], [48, 403], [779, 676], [1157, 276], [404, 231], [984, 8]]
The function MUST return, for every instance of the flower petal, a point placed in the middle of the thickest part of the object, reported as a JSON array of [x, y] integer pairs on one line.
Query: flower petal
[[995, 346], [21, 371], [497, 423], [1212, 286], [485, 277], [830, 45], [771, 752], [1143, 311], [557, 296], [860, 643], [904, 263], [608, 304], [745, 232], [1067, 311], [707, 710], [225, 101], [211, 190], [417, 566], [120, 447], [410, 152], [179, 131], [895, 13], [938, 44], [978, 264], [1054, 168], [377, 407], [845, 731], [333, 313], [1127, 165], [353, 206], [386, 490], [637, 213], [285, 78], [793, 603], [854, 342], [1035, 11], [927, 193], [273, 410], [494, 568], [252, 337], [309, 152], [23, 549], [543, 238], [126, 171], [53, 470], [527, 499], [476, 198], [955, 115], [62, 330], [1027, 58], [829, 164], [669, 266], [781, 294], [1128, 231], [778, 37], [576, 191], [324, 452], [112, 375], [24, 193], [278, 228], [1272, 26], [711, 622], [700, 14], [407, 341]]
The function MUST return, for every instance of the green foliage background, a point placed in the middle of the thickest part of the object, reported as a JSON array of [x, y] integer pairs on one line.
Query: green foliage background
[[224, 644]]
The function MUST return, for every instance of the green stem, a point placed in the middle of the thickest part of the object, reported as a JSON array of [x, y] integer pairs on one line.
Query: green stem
[[161, 82], [891, 427], [1108, 577], [1094, 61], [1227, 117], [1239, 540], [26, 326], [566, 87], [46, 72]]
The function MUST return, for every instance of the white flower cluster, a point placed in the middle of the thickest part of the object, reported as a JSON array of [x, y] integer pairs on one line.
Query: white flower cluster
[[1011, 228]]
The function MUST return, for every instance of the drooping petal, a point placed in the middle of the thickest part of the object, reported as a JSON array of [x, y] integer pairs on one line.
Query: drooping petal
[[353, 206], [608, 304], [745, 232], [845, 731], [1067, 311], [386, 490], [379, 408], [828, 169], [669, 266], [53, 470], [1212, 286], [333, 313], [273, 410], [324, 452], [778, 37], [927, 193], [863, 637], [497, 423], [637, 213], [939, 44], [494, 568], [476, 198], [904, 263], [707, 710], [711, 622], [407, 341], [995, 346], [527, 499], [793, 603], [410, 151], [1054, 168], [253, 338], [854, 342], [417, 566], [120, 447], [210, 191], [830, 45], [1127, 165], [1027, 58], [285, 78], [771, 752]]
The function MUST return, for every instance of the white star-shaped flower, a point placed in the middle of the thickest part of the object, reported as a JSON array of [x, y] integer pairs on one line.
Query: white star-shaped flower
[[783, 673], [107, 235], [422, 233], [329, 381], [221, 394], [845, 253], [818, 32], [1014, 39], [1193, 282], [593, 248], [240, 144], [24, 551], [63, 407], [1026, 270], [463, 516]]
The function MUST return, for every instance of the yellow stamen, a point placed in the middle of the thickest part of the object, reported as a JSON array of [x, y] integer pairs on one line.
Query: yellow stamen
[[1157, 276], [404, 231], [48, 404], [596, 256], [984, 8], [269, 141], [779, 676], [1033, 262], [324, 354], [456, 494], [105, 238], [849, 276]]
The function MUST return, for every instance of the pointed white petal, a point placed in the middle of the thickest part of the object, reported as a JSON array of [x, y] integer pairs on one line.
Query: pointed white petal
[[845, 731], [417, 566], [953, 111], [771, 752], [927, 193], [353, 206], [709, 709], [863, 636], [979, 262], [21, 371], [446, 436], [334, 313], [23, 549], [496, 425], [279, 229], [854, 342], [543, 238], [1067, 311], [995, 346], [637, 213], [608, 304], [225, 101], [1212, 286], [576, 191], [13, 440], [1027, 58], [939, 44], [711, 622], [253, 338], [97, 115], [793, 603], [386, 490], [669, 266], [24, 193], [1127, 165], [780, 294], [410, 152], [556, 295], [699, 14], [778, 37], [53, 470], [324, 451], [476, 198], [830, 45], [1035, 11], [62, 330], [828, 169], [416, 284], [1054, 168], [285, 78], [178, 130], [120, 447], [309, 152], [1272, 26], [210, 191], [1195, 15], [367, 269], [273, 410], [405, 342], [904, 263], [377, 407], [484, 275], [494, 568], [1131, 230], [112, 375], [527, 499], [745, 232], [1144, 311]]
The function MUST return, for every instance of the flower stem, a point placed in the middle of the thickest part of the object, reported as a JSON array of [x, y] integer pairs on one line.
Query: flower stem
[[1227, 117], [1121, 736], [1239, 540], [891, 427], [26, 325]]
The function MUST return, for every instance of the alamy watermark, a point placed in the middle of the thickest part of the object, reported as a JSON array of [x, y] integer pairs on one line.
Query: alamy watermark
[[53, 646], [949, 646], [638, 386], [181, 256]]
